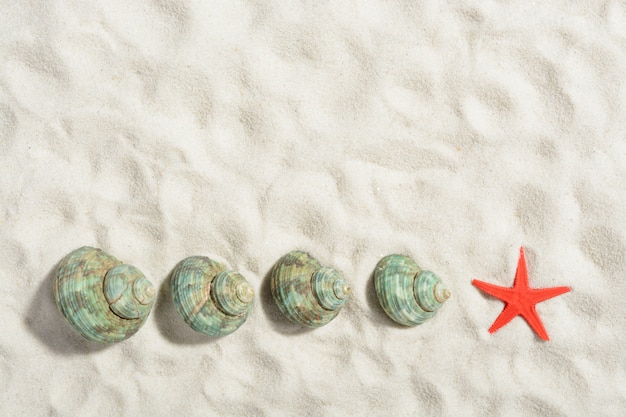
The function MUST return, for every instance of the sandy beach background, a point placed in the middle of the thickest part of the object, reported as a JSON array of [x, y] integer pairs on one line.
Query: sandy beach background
[[452, 131]]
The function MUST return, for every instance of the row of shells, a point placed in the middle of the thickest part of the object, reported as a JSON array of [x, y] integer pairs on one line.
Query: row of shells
[[108, 301]]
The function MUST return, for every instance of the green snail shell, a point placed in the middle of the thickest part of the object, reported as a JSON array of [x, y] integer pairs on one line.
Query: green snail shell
[[103, 299], [211, 299], [408, 295], [307, 293]]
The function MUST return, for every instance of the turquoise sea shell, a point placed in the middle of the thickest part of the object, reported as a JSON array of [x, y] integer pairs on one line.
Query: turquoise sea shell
[[103, 299], [211, 299], [408, 295], [307, 293]]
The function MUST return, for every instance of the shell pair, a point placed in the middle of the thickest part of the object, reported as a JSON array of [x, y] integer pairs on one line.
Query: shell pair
[[107, 301], [312, 295]]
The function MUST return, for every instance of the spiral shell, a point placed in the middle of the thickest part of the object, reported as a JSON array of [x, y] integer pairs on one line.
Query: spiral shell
[[408, 295], [211, 299], [306, 292], [105, 300]]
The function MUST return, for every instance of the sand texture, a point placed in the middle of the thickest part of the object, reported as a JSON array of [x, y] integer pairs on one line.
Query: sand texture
[[454, 132]]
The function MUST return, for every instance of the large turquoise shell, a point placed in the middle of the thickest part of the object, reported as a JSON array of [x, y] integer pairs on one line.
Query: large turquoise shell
[[105, 300], [307, 293], [409, 295], [211, 299]]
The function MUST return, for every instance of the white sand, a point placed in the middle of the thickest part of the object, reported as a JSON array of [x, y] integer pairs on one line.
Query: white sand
[[455, 133]]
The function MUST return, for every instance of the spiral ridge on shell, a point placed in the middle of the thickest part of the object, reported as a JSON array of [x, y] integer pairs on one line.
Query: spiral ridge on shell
[[306, 292], [409, 295], [105, 300], [211, 299]]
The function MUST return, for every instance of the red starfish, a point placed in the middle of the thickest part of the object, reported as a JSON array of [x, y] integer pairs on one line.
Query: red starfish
[[521, 299]]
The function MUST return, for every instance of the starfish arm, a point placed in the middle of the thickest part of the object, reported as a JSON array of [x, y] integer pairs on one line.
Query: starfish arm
[[508, 314], [543, 294], [521, 274], [503, 293], [534, 321]]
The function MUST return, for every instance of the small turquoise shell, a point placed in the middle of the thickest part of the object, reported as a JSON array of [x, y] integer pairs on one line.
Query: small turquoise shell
[[408, 295], [103, 299], [307, 293], [211, 299]]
